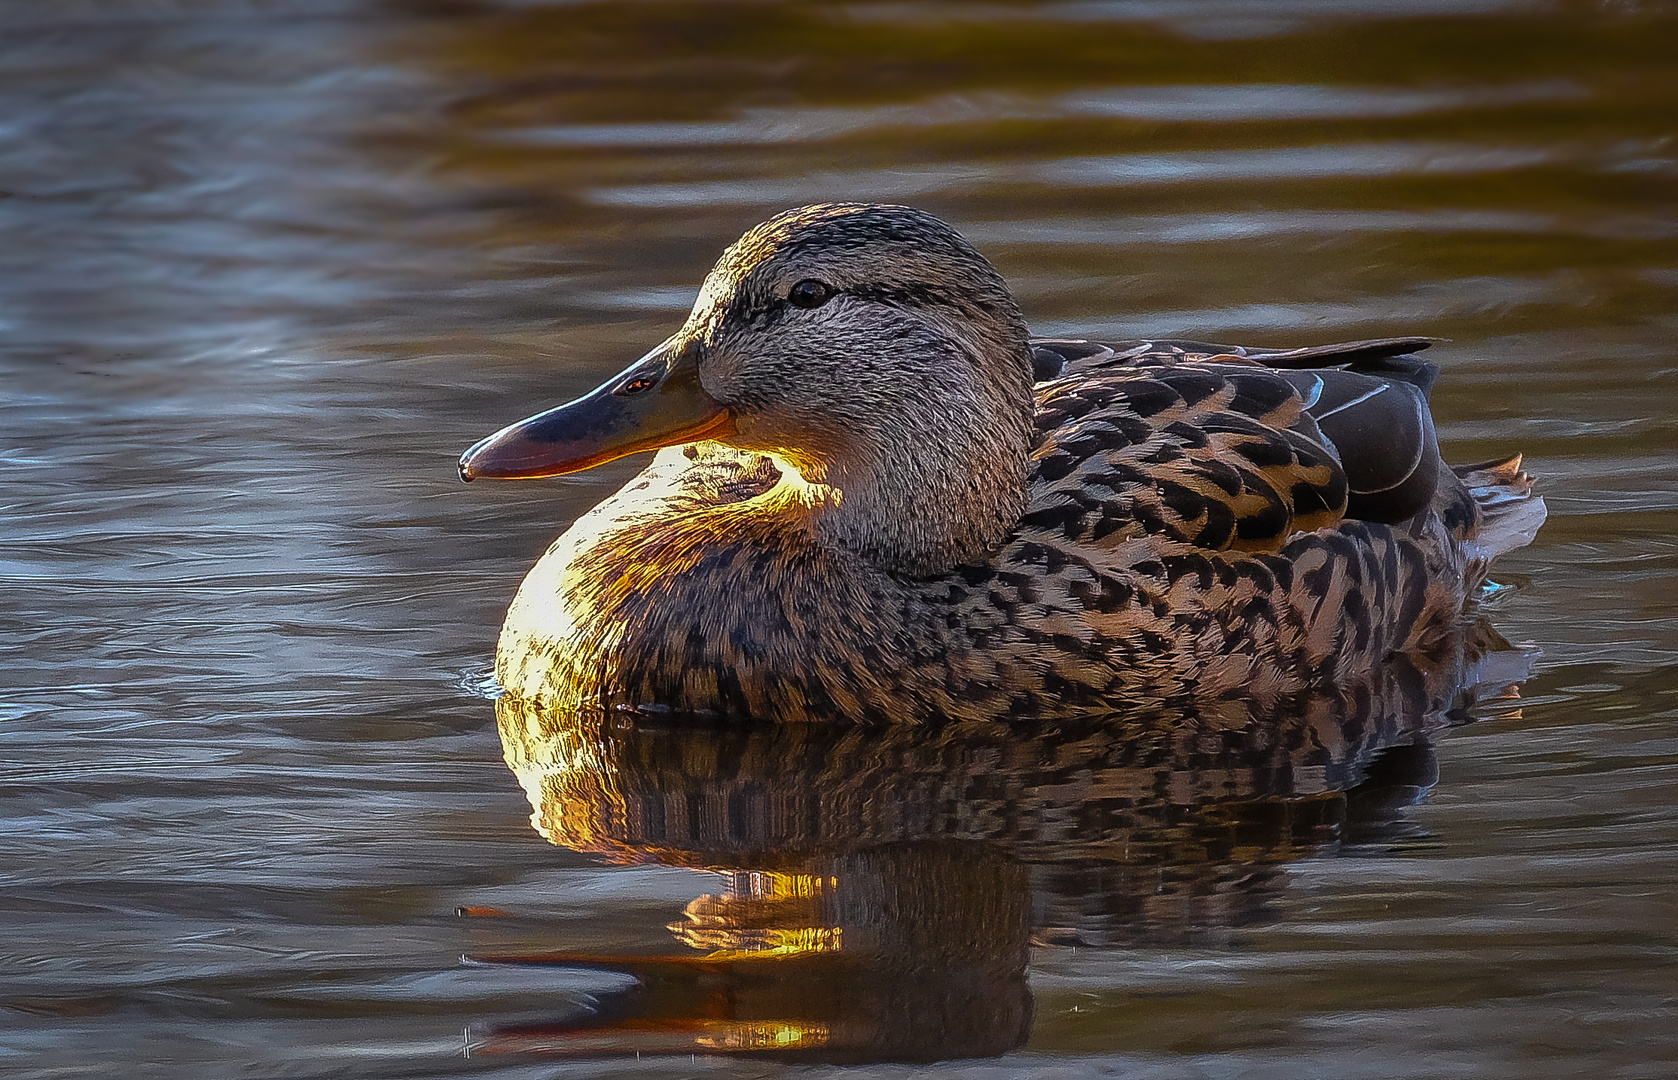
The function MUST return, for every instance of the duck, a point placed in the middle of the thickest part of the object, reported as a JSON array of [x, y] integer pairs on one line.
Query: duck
[[876, 498]]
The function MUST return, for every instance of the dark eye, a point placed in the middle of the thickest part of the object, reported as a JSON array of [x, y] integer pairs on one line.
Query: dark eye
[[810, 293], [635, 386]]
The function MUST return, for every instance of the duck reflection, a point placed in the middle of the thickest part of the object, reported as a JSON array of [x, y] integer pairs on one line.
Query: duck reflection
[[882, 886]]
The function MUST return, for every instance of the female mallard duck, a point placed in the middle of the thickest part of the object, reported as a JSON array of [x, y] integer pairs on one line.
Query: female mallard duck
[[868, 511]]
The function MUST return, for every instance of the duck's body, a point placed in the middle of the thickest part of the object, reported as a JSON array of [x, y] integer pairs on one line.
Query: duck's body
[[889, 522]]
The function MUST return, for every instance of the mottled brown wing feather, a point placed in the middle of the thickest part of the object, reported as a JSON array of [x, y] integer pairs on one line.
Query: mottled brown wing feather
[[1220, 456], [1364, 401], [1283, 483]]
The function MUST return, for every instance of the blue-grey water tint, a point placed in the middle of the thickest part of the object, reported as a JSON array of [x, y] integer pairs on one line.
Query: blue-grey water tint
[[270, 266]]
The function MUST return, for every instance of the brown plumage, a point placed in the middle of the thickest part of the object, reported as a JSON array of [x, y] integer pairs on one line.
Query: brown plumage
[[887, 521]]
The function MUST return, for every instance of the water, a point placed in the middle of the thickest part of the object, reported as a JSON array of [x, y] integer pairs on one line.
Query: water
[[270, 266]]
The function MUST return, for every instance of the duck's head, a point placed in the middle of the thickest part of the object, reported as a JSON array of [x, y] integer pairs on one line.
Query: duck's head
[[870, 347]]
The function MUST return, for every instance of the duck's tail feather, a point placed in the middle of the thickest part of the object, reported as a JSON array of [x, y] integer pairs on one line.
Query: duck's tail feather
[[1510, 513]]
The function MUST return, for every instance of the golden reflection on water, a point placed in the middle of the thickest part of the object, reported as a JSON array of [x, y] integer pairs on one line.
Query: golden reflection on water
[[885, 885], [764, 914]]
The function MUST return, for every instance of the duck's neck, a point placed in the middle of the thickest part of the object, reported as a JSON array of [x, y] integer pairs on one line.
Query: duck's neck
[[938, 483]]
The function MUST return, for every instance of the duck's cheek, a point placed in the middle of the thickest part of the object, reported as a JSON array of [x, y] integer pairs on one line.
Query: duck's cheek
[[720, 377], [770, 432], [755, 431]]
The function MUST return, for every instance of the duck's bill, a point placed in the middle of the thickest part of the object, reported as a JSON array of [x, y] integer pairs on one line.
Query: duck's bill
[[655, 403]]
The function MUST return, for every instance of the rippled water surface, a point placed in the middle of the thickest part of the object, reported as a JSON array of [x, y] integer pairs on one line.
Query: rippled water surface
[[270, 266]]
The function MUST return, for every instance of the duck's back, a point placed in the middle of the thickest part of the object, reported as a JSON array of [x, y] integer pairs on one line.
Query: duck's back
[[1204, 523], [1263, 444]]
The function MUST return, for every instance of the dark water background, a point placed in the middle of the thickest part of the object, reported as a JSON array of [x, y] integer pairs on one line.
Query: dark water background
[[268, 267]]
